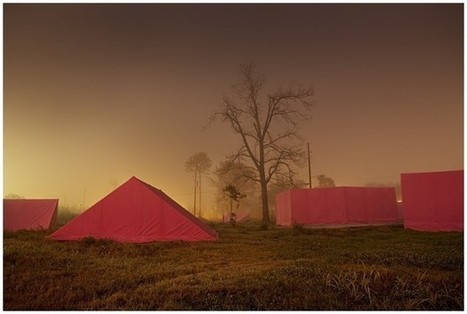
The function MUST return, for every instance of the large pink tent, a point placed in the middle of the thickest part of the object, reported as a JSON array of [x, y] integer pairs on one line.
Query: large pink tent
[[433, 201], [336, 206], [29, 214], [136, 212]]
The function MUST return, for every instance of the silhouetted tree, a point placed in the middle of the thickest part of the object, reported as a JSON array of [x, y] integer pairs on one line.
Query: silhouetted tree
[[324, 181], [267, 127], [198, 164], [235, 196], [235, 174], [396, 186]]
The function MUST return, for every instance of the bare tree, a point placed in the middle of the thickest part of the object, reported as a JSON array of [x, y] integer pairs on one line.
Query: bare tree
[[267, 127], [198, 164]]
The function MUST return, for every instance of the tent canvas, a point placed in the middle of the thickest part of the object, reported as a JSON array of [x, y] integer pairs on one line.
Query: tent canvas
[[136, 212], [29, 214], [336, 206], [433, 201]]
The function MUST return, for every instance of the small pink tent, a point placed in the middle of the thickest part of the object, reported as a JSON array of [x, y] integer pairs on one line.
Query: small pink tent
[[136, 212], [433, 201], [336, 206], [29, 214], [241, 216]]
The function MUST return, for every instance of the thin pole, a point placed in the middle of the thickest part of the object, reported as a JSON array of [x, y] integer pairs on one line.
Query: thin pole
[[194, 205], [199, 210], [309, 166]]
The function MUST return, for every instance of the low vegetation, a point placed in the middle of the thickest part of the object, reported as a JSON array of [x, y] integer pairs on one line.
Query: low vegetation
[[365, 268], [65, 214]]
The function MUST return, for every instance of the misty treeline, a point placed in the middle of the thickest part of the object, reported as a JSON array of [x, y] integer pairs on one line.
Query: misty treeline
[[13, 196], [228, 177], [395, 185]]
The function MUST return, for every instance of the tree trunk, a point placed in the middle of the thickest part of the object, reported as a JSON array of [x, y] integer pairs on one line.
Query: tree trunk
[[265, 203], [264, 198]]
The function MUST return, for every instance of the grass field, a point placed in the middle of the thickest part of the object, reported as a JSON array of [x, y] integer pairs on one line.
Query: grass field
[[365, 268]]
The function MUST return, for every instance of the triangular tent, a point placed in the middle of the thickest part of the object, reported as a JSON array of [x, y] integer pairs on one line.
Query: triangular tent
[[136, 212], [28, 214]]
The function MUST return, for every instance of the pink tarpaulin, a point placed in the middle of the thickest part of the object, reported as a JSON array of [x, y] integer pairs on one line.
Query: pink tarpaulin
[[433, 201], [28, 214], [136, 212], [336, 206]]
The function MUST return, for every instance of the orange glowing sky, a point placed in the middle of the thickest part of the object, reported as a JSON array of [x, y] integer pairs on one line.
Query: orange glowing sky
[[94, 94]]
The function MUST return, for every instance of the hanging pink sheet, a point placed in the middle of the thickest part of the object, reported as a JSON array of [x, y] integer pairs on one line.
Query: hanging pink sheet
[[29, 214], [433, 201], [336, 206], [136, 212]]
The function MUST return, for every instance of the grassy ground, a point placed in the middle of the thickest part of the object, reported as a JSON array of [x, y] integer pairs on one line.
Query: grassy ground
[[366, 268]]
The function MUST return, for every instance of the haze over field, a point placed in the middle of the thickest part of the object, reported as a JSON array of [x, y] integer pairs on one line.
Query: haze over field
[[95, 94]]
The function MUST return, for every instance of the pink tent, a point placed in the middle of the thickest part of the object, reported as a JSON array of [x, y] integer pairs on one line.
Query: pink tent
[[336, 206], [433, 201], [29, 214], [136, 212]]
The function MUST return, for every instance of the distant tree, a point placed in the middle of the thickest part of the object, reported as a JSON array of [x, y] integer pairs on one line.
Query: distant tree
[[235, 196], [324, 181], [114, 183], [235, 174], [13, 196], [267, 128], [198, 164], [396, 186]]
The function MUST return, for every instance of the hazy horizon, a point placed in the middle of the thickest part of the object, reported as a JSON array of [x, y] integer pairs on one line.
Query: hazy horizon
[[97, 93]]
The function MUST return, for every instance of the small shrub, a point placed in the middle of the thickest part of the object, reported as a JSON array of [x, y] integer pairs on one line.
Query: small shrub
[[264, 227]]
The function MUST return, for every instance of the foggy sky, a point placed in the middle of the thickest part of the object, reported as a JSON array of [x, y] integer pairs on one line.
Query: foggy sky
[[94, 94]]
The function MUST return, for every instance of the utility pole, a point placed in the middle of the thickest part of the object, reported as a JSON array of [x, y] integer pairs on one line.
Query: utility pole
[[309, 166], [194, 205], [199, 210]]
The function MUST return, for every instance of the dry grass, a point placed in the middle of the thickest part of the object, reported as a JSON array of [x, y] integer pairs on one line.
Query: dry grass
[[370, 268]]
